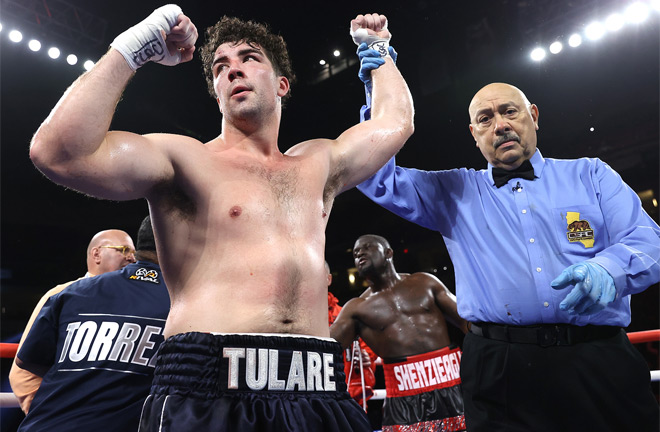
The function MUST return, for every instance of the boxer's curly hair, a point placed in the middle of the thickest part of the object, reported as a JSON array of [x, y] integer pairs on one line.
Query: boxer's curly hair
[[235, 30]]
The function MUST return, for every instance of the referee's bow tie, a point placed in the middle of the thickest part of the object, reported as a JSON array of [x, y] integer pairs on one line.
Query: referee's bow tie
[[502, 176]]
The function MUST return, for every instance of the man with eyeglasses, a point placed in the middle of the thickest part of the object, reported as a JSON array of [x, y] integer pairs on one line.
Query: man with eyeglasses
[[108, 250], [95, 343]]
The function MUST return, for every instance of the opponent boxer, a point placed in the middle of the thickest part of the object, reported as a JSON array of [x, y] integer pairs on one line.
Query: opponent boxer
[[241, 226], [402, 318], [108, 250]]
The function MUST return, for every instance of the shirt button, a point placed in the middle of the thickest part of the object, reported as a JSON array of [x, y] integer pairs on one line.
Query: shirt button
[[531, 240], [538, 269], [524, 211], [546, 304]]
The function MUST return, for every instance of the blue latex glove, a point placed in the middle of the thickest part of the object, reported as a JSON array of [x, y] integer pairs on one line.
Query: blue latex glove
[[594, 288], [370, 60]]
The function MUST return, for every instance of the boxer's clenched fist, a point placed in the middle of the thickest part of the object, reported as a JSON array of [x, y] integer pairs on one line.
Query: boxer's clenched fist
[[166, 36], [372, 30]]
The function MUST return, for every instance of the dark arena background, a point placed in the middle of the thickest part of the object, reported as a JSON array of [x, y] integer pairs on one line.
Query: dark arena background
[[598, 99]]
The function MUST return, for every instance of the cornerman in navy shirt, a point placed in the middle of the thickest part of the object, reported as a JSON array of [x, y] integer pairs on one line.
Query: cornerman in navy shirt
[[109, 250], [94, 343]]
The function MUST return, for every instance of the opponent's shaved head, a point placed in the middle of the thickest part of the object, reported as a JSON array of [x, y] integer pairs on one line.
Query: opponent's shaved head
[[376, 239]]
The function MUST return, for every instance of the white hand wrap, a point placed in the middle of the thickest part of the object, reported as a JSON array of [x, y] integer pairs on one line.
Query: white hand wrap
[[144, 42], [374, 42]]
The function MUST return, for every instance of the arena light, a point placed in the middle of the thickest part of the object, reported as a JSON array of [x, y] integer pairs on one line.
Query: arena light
[[575, 40], [336, 53], [34, 45], [594, 31], [655, 4], [53, 53], [15, 36], [556, 47], [537, 54], [322, 62], [637, 13], [614, 22]]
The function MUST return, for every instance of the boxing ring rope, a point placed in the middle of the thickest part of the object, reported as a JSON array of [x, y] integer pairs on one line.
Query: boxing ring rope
[[8, 350], [644, 336], [8, 400]]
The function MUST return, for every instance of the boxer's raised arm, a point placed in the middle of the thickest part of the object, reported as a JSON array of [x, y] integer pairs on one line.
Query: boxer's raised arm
[[363, 149], [74, 147]]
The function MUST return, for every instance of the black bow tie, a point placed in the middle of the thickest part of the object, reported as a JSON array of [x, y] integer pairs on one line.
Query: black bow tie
[[502, 176]]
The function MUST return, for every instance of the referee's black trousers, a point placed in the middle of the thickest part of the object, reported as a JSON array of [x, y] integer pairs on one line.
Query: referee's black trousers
[[600, 385]]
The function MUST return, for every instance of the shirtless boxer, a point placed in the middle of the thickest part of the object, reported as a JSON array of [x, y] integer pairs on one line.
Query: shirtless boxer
[[240, 226], [402, 318]]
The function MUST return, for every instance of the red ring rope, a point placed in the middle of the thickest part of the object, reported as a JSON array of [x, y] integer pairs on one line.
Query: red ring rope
[[8, 350], [644, 336]]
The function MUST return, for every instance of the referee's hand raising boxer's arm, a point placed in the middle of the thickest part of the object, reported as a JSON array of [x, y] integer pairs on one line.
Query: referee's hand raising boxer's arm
[[74, 147]]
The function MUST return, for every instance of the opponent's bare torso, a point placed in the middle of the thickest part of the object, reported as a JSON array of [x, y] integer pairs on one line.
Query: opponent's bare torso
[[402, 320]]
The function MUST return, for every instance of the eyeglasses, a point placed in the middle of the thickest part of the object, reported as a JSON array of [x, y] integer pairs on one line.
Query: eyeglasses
[[124, 250]]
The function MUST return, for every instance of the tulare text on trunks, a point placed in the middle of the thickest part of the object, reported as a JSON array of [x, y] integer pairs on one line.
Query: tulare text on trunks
[[279, 370]]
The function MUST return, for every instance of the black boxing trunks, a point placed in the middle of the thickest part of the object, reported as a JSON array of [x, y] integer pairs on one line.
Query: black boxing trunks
[[424, 393], [250, 382]]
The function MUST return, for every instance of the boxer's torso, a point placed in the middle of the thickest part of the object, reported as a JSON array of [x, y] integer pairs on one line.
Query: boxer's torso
[[241, 240], [402, 320]]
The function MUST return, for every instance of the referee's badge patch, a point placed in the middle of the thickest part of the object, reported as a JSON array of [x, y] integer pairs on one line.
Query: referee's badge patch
[[579, 230]]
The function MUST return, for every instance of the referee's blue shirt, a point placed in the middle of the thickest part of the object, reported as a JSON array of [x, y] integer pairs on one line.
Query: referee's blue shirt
[[507, 244]]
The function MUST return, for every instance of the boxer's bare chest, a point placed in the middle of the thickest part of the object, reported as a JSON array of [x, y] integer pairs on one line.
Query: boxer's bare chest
[[398, 304], [287, 186], [284, 184]]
